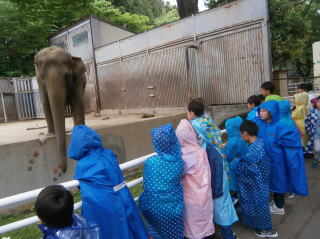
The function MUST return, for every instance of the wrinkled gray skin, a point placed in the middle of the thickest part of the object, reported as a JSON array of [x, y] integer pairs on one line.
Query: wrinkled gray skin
[[61, 80]]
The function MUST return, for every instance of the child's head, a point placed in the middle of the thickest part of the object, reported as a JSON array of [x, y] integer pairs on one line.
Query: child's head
[[309, 87], [267, 88], [253, 101], [195, 109], [54, 206], [265, 115], [302, 87], [248, 130], [317, 104]]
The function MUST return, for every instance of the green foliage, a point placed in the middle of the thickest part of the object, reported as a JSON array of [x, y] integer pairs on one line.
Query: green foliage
[[215, 3], [170, 16], [27, 24]]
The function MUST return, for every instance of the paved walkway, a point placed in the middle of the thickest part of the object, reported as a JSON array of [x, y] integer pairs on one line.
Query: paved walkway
[[302, 219]]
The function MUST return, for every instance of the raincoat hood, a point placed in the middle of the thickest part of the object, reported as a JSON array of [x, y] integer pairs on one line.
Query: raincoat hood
[[285, 112], [165, 142], [233, 126], [83, 140], [272, 107], [187, 137], [301, 99], [80, 229]]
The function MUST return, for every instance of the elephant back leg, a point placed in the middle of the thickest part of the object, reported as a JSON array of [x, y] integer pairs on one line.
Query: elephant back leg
[[77, 105]]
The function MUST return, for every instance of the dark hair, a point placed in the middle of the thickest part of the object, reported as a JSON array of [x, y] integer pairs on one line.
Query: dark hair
[[302, 86], [250, 127], [309, 86], [268, 86], [254, 99], [196, 106], [54, 206], [262, 98]]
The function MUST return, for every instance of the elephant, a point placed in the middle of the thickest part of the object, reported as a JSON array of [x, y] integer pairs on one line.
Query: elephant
[[62, 80]]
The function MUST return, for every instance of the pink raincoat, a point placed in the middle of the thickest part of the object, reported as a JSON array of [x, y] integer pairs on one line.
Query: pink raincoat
[[196, 182]]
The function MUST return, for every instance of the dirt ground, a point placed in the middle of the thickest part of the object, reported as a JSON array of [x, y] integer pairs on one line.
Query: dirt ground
[[20, 131]]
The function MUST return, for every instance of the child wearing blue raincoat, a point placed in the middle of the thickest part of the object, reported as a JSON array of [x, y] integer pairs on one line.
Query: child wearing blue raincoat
[[54, 207], [106, 200], [285, 113], [162, 202], [235, 147], [283, 147], [209, 133]]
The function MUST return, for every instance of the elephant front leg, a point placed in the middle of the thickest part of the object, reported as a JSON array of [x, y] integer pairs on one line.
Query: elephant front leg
[[46, 108]]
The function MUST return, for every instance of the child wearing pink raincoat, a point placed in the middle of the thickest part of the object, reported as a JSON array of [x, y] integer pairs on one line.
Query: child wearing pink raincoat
[[196, 182]]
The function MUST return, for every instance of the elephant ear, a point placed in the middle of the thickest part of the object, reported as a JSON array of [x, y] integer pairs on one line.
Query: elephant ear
[[78, 69]]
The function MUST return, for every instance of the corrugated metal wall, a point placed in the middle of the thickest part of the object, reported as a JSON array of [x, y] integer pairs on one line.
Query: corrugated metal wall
[[8, 110], [104, 33], [221, 55]]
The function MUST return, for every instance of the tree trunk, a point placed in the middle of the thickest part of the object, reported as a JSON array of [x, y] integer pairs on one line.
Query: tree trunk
[[187, 7]]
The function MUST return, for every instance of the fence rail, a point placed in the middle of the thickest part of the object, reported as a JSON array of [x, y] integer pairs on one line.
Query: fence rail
[[19, 199]]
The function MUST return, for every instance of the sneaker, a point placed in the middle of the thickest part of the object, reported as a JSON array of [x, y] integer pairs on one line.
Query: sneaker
[[291, 195], [275, 210], [271, 233]]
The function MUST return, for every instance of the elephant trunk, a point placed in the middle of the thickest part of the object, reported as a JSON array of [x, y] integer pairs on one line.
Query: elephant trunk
[[57, 99]]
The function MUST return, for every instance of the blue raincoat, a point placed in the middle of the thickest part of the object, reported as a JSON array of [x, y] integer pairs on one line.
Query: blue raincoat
[[235, 148], [80, 229], [253, 114], [285, 113], [224, 213], [106, 200], [162, 202], [253, 170], [283, 147]]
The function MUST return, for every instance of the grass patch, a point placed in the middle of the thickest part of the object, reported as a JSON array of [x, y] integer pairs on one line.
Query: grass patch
[[25, 211]]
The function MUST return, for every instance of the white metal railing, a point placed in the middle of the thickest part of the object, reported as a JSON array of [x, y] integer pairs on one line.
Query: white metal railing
[[30, 196]]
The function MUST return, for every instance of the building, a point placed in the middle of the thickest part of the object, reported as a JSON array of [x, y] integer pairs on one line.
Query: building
[[81, 39]]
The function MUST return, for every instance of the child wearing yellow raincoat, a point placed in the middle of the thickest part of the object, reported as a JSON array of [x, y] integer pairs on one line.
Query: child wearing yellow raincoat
[[300, 114]]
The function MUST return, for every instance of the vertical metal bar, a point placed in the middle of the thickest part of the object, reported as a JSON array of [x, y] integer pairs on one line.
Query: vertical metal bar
[[196, 58], [4, 109], [98, 101], [123, 78], [16, 96]]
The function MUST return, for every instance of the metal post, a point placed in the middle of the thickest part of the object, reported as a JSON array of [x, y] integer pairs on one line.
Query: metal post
[[196, 55], [4, 109]]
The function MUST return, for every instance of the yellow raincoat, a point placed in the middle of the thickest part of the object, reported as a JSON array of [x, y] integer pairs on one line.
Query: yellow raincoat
[[300, 113]]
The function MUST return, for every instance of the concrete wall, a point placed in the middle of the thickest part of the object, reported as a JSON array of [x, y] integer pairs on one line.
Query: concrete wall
[[30, 165]]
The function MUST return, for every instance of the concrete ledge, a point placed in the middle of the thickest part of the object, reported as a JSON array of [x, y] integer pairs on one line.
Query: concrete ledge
[[31, 164]]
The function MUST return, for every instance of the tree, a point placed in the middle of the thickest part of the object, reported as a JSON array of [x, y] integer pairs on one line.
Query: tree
[[187, 7], [168, 17], [294, 25], [27, 24]]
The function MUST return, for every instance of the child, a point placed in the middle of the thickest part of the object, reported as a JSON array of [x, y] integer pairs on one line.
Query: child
[[106, 200], [224, 213], [253, 171], [161, 202], [267, 90], [253, 103], [235, 148], [284, 149], [313, 131], [285, 113], [300, 113], [312, 95], [54, 207], [196, 182]]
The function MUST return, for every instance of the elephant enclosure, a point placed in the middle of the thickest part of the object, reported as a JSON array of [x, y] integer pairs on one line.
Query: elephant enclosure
[[20, 131]]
